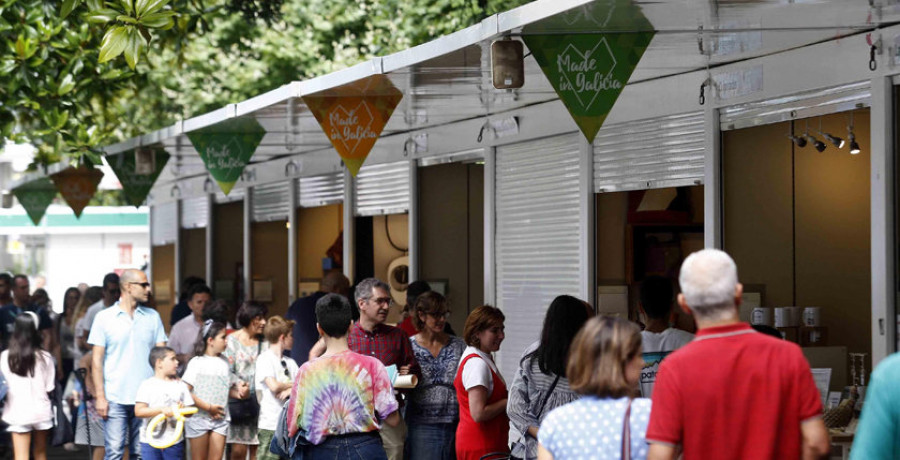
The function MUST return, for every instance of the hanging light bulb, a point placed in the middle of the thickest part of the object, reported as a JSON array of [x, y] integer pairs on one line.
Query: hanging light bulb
[[854, 146], [819, 145], [799, 141], [836, 141]]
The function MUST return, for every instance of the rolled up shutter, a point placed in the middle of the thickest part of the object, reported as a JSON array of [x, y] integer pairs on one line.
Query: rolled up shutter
[[797, 106], [321, 190], [195, 212], [537, 235], [271, 202], [382, 189], [164, 223], [646, 154]]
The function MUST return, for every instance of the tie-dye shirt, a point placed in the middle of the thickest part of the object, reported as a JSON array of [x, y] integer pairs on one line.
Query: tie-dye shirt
[[341, 394]]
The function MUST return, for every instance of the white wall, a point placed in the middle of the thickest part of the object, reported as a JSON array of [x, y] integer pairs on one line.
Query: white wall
[[73, 259]]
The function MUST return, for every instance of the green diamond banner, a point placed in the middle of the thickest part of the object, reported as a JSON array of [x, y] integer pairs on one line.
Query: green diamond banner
[[586, 65], [226, 148], [35, 197], [135, 184]]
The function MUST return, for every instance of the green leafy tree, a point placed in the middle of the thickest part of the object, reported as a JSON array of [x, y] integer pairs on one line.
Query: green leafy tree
[[79, 74]]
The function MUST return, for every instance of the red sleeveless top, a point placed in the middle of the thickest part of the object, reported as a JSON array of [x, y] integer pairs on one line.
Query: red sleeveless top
[[474, 439]]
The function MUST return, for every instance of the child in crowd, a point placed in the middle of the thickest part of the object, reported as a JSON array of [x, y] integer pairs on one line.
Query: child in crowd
[[340, 399], [30, 374], [161, 394], [208, 379], [274, 378]]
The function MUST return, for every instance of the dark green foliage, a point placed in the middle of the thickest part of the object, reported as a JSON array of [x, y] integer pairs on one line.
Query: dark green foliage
[[67, 91]]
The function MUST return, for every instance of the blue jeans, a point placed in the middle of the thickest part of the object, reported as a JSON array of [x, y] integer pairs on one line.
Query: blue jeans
[[362, 446], [121, 427], [427, 441], [175, 452]]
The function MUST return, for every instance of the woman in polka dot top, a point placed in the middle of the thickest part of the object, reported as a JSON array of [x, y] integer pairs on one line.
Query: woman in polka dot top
[[604, 367]]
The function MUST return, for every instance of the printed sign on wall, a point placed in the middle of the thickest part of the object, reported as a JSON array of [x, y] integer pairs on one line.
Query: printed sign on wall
[[135, 185], [354, 115], [77, 186], [588, 54], [35, 197], [226, 148]]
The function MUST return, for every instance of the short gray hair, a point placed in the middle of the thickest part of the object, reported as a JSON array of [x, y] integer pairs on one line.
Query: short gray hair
[[364, 288], [708, 280]]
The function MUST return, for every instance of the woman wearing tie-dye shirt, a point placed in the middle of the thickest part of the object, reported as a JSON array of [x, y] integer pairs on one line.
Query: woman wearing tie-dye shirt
[[340, 399]]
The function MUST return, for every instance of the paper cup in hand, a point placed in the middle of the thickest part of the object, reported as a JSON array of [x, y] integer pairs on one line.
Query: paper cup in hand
[[401, 381]]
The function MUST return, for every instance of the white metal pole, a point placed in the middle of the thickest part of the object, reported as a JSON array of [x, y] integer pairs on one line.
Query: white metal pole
[[882, 215], [712, 180], [248, 252], [210, 235], [413, 220], [588, 241], [292, 240], [490, 205], [349, 226]]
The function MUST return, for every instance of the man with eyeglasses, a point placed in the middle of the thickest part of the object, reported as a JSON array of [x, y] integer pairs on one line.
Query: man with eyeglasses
[[122, 336], [110, 295], [371, 337]]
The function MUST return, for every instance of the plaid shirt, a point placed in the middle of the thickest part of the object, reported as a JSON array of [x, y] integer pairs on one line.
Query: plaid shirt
[[387, 343]]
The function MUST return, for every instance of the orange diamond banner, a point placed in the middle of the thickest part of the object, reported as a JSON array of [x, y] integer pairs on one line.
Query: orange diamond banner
[[77, 186], [354, 115]]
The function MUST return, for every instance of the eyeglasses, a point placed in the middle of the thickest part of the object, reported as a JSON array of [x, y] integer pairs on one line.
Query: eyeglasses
[[143, 285], [284, 365], [444, 315], [383, 300]]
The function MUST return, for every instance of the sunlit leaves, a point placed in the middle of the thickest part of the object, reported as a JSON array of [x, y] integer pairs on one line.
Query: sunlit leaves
[[130, 23], [114, 43]]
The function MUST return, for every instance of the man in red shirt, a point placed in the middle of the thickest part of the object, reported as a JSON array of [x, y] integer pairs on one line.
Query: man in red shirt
[[732, 393], [371, 337]]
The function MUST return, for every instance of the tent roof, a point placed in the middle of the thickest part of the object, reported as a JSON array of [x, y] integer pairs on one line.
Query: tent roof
[[448, 80]]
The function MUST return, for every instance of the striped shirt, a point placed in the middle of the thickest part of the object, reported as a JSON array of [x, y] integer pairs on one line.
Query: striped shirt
[[528, 391]]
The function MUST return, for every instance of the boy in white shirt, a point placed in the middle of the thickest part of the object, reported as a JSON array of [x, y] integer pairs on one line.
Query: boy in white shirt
[[274, 376], [160, 394]]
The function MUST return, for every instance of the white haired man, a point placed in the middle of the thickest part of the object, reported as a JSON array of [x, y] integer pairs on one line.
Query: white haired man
[[732, 393]]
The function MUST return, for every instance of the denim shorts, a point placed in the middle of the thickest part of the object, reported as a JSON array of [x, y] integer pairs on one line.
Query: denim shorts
[[195, 427]]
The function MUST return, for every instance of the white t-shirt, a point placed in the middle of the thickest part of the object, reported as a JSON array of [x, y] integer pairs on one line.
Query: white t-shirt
[[211, 380], [162, 393], [478, 371], [27, 401], [670, 339], [269, 365]]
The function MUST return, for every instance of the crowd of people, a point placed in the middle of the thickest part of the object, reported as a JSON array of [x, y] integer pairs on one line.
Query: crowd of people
[[321, 382]]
